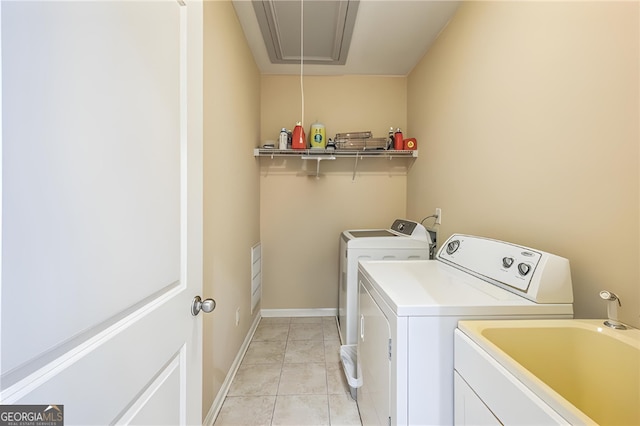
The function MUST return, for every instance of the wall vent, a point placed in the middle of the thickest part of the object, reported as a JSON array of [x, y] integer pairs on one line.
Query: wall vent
[[256, 275]]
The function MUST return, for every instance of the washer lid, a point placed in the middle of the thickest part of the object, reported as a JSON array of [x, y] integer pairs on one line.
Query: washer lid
[[368, 233], [399, 228]]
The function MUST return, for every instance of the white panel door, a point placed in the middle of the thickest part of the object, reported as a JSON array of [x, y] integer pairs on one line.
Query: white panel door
[[102, 209]]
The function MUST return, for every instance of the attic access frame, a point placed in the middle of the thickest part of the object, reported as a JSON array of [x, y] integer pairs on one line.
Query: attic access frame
[[328, 24]]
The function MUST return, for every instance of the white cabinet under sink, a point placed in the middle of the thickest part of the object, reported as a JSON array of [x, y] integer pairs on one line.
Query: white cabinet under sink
[[485, 393], [469, 409]]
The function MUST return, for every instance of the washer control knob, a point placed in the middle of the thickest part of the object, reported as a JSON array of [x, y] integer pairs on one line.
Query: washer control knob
[[453, 246], [507, 262], [524, 269]]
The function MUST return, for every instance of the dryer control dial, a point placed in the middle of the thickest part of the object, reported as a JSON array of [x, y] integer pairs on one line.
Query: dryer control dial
[[453, 246], [524, 268], [507, 262]]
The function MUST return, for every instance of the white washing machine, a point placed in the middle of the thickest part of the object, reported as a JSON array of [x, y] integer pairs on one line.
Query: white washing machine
[[409, 311], [404, 240]]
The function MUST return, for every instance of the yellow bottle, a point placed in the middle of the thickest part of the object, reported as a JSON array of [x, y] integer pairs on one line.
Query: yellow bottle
[[318, 136]]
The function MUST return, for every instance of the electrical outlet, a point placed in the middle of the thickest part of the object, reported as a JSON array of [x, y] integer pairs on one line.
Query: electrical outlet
[[237, 316], [438, 215]]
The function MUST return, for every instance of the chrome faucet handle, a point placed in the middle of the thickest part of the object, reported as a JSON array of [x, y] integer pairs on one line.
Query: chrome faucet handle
[[612, 322], [607, 295]]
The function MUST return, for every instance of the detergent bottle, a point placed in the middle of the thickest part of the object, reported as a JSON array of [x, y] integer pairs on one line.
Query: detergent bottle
[[318, 137], [398, 142], [299, 140], [284, 138]]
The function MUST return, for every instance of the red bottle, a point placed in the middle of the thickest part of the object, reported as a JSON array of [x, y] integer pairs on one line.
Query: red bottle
[[398, 142], [299, 140]]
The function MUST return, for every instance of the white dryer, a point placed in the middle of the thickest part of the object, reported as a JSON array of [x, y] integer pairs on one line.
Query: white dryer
[[406, 240], [409, 311]]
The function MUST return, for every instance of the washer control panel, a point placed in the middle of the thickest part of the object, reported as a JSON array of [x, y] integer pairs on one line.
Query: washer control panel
[[531, 273], [403, 226], [411, 229]]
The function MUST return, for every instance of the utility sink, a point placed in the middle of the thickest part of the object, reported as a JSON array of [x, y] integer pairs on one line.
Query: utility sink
[[585, 371]]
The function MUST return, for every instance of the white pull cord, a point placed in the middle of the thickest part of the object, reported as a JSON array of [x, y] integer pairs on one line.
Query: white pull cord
[[302, 60]]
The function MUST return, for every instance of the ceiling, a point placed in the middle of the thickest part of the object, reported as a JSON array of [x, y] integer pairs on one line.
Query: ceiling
[[389, 36]]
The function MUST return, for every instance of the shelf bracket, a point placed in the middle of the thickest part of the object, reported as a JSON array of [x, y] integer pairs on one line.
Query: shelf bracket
[[318, 160], [355, 167]]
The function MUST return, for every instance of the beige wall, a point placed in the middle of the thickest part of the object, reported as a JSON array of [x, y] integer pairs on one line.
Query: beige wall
[[342, 104], [231, 193], [527, 115], [301, 217]]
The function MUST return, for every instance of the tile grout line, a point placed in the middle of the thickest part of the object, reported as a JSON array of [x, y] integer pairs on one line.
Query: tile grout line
[[326, 372], [275, 401]]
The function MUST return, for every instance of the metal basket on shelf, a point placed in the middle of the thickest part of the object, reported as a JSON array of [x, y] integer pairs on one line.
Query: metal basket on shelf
[[359, 141]]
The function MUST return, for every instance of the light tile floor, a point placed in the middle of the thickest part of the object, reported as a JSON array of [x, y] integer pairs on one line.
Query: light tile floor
[[291, 375]]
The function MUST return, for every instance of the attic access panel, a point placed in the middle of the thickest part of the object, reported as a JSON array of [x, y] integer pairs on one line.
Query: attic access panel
[[328, 27]]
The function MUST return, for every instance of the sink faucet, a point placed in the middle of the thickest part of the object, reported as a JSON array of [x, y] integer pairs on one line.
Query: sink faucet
[[612, 310]]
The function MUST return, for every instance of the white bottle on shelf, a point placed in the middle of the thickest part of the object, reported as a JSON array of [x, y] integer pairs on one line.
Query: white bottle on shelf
[[282, 143]]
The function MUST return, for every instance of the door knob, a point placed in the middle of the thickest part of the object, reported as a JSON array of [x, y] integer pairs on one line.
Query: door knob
[[206, 305]]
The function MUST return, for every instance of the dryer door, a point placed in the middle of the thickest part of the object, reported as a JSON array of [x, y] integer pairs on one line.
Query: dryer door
[[374, 337], [342, 290]]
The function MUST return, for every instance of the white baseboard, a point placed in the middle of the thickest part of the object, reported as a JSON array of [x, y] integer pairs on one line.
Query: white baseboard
[[319, 312], [216, 406]]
